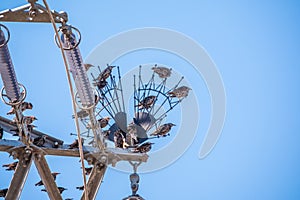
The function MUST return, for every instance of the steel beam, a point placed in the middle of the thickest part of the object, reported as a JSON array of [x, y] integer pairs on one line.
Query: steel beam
[[19, 179], [46, 176], [94, 182]]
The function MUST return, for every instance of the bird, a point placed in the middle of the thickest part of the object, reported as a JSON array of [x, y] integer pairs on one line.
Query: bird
[[163, 130], [75, 144], [119, 139], [60, 189], [105, 73], [80, 187], [147, 102], [103, 121], [11, 166], [143, 148], [88, 170], [24, 105], [1, 133], [101, 83], [162, 72], [131, 136], [3, 192], [87, 66], [40, 141], [29, 119], [180, 92], [54, 174]]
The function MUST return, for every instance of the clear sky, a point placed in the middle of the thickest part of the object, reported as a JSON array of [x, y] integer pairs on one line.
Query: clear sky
[[255, 46]]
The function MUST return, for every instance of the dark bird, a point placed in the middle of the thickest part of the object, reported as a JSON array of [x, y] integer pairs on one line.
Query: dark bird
[[162, 72], [143, 148], [147, 102], [88, 170], [40, 141], [103, 121], [80, 188], [61, 189], [105, 73], [54, 174], [180, 92], [11, 166], [69, 199], [23, 106], [101, 84], [1, 133], [119, 139], [163, 130], [29, 119], [106, 133], [75, 144], [3, 192]]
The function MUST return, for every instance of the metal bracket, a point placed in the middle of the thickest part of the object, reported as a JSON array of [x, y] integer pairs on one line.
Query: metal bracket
[[32, 12]]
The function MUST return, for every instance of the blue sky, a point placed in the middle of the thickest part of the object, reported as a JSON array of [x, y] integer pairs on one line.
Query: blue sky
[[255, 46]]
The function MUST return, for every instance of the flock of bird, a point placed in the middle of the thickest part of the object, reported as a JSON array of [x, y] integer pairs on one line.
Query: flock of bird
[[121, 139]]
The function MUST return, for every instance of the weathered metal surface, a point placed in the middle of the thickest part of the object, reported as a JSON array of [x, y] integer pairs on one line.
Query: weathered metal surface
[[45, 174], [94, 182], [31, 13]]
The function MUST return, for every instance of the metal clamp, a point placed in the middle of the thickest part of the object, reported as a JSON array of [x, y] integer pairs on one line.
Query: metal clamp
[[68, 30], [23, 93], [8, 35]]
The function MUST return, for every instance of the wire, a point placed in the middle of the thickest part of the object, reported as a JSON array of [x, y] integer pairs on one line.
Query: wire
[[73, 99]]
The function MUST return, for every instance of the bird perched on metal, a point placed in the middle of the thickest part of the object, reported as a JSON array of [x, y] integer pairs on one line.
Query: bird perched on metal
[[40, 141], [75, 144], [60, 189], [105, 73], [3, 192], [103, 121], [80, 188], [143, 148], [162, 72], [131, 136], [1, 133], [23, 106], [119, 139], [101, 84], [180, 92], [54, 174], [163, 130], [29, 119], [88, 66], [88, 170], [147, 102], [11, 166]]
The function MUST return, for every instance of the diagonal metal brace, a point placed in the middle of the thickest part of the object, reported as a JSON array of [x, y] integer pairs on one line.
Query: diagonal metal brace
[[32, 12], [94, 182], [47, 178], [19, 178]]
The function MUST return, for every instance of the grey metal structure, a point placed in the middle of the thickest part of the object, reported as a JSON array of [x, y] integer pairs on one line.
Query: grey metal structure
[[14, 94]]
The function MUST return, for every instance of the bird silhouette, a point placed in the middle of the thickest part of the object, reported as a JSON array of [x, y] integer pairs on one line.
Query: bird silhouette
[[40, 141], [80, 188], [1, 133], [54, 174], [3, 192], [11, 166], [60, 189]]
